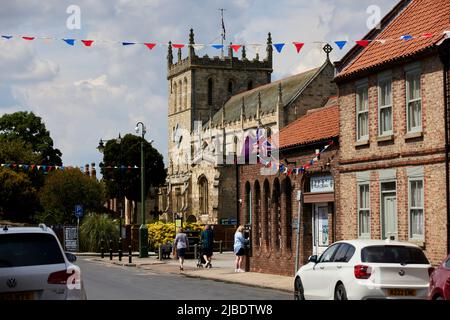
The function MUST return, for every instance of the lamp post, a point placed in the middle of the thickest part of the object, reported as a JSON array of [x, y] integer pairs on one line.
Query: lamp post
[[101, 148], [143, 231]]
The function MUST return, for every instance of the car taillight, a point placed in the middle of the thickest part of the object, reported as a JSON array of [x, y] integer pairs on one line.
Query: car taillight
[[430, 271], [58, 277], [362, 272]]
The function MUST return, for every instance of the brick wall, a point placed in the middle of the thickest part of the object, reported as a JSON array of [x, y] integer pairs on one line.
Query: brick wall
[[400, 154], [269, 258]]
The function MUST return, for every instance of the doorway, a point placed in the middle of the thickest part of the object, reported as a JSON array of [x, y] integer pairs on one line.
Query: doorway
[[320, 228], [389, 211]]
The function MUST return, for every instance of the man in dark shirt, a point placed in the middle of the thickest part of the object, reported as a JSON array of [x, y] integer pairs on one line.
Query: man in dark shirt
[[207, 237]]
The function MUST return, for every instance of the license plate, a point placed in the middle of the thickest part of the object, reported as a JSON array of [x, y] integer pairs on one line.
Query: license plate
[[29, 295], [402, 292]]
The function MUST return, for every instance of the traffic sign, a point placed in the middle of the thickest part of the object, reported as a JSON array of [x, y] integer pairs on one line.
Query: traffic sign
[[78, 211]]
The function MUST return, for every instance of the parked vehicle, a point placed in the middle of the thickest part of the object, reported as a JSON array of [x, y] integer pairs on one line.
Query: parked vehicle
[[440, 281], [365, 269], [33, 266]]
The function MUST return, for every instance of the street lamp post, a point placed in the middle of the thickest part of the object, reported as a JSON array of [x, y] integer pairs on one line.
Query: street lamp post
[[101, 148], [143, 231]]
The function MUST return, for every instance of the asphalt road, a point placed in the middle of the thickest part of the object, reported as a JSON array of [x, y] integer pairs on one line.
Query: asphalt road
[[110, 282]]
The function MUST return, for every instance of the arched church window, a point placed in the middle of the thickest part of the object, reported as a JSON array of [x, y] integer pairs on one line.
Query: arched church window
[[180, 94], [250, 85], [185, 91], [175, 96], [230, 87], [203, 195], [210, 91]]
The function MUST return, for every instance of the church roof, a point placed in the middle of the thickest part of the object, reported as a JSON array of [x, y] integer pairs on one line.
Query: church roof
[[291, 87]]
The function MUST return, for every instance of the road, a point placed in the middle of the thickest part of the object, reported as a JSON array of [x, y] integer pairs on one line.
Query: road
[[111, 282]]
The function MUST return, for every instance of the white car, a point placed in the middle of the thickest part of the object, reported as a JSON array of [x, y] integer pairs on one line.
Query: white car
[[365, 269], [33, 266]]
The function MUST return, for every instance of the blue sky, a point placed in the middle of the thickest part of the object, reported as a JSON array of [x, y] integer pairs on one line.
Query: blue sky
[[84, 94]]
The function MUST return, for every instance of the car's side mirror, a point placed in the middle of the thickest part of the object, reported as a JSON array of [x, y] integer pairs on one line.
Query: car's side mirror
[[312, 259], [71, 257]]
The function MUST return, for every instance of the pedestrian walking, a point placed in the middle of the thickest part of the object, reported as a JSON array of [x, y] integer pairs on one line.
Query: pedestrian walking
[[207, 238], [239, 248], [181, 243]]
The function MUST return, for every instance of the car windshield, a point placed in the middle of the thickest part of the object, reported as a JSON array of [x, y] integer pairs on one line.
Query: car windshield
[[393, 254], [29, 249]]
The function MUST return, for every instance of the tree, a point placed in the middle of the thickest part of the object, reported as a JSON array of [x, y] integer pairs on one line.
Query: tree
[[64, 189], [29, 128], [127, 182], [17, 195]]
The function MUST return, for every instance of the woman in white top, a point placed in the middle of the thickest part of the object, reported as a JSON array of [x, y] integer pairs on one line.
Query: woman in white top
[[239, 248]]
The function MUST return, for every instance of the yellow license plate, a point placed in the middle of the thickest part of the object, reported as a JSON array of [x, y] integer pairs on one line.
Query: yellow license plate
[[29, 295], [402, 292]]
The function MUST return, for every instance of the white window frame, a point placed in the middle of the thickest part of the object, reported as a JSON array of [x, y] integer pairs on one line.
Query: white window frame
[[413, 71], [362, 86], [410, 235], [363, 235], [384, 78]]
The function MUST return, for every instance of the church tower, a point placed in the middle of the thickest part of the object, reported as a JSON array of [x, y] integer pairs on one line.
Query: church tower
[[199, 86]]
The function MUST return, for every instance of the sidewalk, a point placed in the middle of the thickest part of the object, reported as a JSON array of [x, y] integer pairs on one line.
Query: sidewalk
[[222, 270]]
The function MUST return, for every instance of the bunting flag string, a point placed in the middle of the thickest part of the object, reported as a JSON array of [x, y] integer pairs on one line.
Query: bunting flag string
[[48, 168], [282, 168], [279, 46]]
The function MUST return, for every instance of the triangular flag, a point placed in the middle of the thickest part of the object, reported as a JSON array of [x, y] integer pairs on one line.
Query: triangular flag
[[87, 43], [38, 167], [427, 35], [7, 37], [28, 38], [178, 45], [341, 44], [46, 39], [235, 47], [382, 41], [127, 43], [406, 37], [150, 45], [25, 167], [279, 46], [362, 43], [70, 42], [198, 47], [298, 46], [217, 46]]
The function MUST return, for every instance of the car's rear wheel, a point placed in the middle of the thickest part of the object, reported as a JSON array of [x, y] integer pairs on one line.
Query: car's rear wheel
[[298, 290], [340, 293]]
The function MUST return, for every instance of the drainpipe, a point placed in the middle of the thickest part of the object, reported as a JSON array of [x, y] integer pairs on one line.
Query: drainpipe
[[447, 174], [445, 58]]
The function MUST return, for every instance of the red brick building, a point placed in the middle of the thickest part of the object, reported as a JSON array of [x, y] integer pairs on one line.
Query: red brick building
[[393, 160], [269, 202]]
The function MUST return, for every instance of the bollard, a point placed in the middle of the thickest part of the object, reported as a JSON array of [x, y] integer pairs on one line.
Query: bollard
[[102, 248], [129, 254], [220, 246], [160, 252], [110, 250], [195, 251], [120, 249]]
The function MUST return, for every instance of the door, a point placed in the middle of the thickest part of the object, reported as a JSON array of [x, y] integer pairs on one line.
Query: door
[[320, 228], [390, 216]]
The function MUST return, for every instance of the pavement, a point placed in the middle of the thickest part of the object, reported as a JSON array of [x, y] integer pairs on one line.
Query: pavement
[[222, 270]]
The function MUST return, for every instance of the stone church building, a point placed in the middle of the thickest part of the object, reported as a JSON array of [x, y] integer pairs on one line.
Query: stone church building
[[216, 104]]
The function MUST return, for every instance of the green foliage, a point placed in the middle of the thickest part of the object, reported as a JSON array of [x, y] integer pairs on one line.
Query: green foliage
[[96, 227], [63, 190], [128, 153], [29, 128], [160, 233], [17, 195]]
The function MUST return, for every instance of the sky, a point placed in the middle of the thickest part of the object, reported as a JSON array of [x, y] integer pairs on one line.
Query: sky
[[84, 94]]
